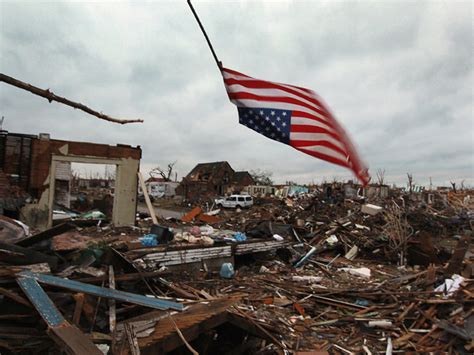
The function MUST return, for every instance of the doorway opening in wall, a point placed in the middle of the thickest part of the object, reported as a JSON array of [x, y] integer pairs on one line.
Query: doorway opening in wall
[[83, 191]]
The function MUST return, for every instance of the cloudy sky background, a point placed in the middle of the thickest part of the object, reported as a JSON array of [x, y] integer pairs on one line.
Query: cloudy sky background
[[397, 74]]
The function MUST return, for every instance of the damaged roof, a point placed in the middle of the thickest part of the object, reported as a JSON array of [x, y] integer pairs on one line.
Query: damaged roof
[[205, 171], [239, 177]]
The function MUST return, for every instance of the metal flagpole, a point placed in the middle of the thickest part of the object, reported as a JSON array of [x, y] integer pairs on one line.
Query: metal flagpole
[[218, 62]]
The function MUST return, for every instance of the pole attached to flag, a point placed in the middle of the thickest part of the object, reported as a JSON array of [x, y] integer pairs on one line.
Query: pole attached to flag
[[218, 62], [291, 115]]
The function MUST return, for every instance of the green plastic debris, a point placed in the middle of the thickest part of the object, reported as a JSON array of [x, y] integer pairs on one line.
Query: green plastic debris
[[93, 215]]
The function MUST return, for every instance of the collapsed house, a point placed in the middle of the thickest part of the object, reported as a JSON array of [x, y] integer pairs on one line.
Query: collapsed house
[[207, 180], [37, 175]]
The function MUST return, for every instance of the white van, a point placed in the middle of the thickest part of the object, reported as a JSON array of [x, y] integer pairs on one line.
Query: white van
[[235, 201]]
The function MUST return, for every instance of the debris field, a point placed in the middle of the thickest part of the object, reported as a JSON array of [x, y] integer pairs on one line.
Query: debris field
[[300, 275]]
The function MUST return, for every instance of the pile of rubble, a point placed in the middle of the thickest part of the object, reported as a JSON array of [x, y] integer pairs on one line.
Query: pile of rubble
[[287, 275]]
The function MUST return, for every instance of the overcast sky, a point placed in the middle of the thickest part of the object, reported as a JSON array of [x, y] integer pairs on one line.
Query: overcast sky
[[397, 74]]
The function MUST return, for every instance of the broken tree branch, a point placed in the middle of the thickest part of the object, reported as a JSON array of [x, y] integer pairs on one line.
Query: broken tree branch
[[50, 96]]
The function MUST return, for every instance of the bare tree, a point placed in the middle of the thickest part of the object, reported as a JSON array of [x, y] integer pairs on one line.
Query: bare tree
[[410, 182], [380, 176], [453, 184], [462, 185], [165, 174], [262, 177]]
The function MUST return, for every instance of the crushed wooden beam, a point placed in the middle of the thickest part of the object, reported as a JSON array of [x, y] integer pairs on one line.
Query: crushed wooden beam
[[112, 315], [79, 298], [159, 335]]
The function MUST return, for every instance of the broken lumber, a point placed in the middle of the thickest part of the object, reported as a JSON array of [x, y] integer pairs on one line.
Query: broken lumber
[[102, 291]]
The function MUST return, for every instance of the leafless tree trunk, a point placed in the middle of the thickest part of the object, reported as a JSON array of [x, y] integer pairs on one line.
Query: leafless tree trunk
[[453, 184], [165, 174], [380, 176], [410, 182]]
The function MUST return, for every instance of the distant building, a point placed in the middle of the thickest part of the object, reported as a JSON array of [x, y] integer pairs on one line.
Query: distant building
[[159, 187], [207, 180], [375, 191], [92, 183], [260, 190]]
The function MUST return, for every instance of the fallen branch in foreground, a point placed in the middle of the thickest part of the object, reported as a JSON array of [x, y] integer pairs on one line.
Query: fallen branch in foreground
[[52, 97]]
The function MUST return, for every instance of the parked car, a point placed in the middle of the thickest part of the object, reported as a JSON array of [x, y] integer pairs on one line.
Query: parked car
[[234, 201]]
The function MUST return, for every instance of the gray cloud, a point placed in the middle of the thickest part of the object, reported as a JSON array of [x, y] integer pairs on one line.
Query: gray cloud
[[398, 75]]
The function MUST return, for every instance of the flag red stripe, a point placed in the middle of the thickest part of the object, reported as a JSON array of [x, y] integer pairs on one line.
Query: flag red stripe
[[322, 143], [259, 84]]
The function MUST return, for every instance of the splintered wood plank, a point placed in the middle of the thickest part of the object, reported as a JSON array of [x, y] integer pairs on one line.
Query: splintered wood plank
[[79, 298], [192, 322], [455, 264], [112, 316], [73, 340], [151, 209], [191, 214]]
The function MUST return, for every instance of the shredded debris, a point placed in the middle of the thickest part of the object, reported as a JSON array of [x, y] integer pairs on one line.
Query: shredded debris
[[307, 273]]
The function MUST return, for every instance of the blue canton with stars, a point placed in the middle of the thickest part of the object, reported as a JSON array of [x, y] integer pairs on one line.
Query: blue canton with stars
[[272, 123]]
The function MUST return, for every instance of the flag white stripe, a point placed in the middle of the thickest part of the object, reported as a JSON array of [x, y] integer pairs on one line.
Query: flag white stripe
[[235, 76], [309, 122]]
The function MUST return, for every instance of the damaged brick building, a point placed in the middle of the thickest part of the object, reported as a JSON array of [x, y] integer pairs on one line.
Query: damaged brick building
[[207, 180], [27, 163]]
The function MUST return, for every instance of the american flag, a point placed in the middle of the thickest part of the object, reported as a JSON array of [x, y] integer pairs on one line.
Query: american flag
[[295, 116]]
